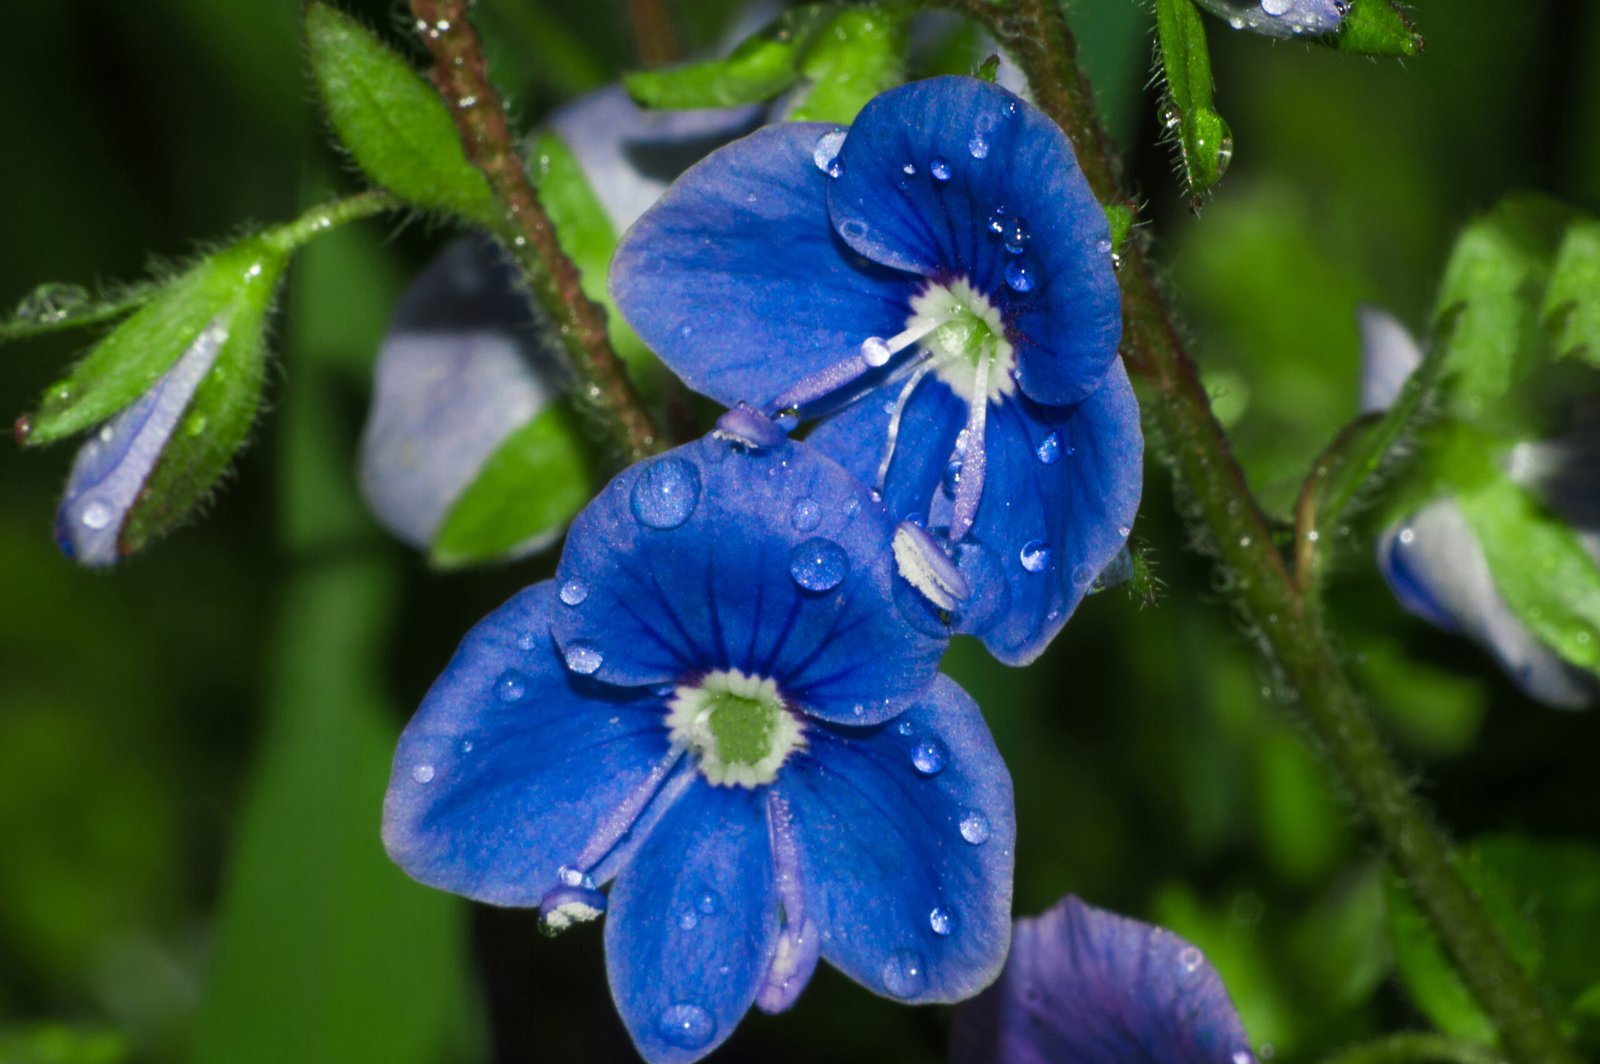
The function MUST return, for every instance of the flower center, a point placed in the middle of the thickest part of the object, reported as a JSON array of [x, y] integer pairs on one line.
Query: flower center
[[737, 725], [965, 340]]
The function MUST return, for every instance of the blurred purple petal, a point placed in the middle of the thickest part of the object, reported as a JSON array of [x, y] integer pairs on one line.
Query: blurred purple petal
[[1088, 986], [1389, 354], [1280, 18]]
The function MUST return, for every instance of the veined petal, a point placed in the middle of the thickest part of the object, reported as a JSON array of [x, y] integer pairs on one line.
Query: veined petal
[[737, 279], [775, 562], [905, 834], [938, 177], [693, 924], [1091, 987], [512, 765]]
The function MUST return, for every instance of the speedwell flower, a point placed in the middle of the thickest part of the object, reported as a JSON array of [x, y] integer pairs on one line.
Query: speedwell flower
[[1091, 987], [942, 273], [714, 704]]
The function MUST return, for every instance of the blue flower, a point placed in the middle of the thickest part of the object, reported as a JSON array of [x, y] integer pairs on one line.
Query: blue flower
[[938, 277], [1281, 18], [715, 705], [1432, 560], [1091, 987]]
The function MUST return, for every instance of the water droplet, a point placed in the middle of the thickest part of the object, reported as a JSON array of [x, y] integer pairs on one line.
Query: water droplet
[[422, 773], [1189, 959], [978, 146], [853, 229], [826, 153], [687, 1026], [22, 430], [818, 564], [875, 351], [997, 221], [1049, 449], [583, 658], [806, 514], [1083, 574], [905, 727], [1018, 276], [96, 515], [688, 920], [511, 686], [527, 641], [952, 477], [1171, 116], [940, 170], [929, 756], [666, 493], [1015, 233], [1276, 7], [905, 974], [974, 827], [51, 302], [909, 169], [573, 592], [709, 903], [1224, 151], [1035, 556], [466, 746], [941, 920]]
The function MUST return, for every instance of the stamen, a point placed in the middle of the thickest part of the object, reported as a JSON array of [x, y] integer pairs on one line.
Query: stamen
[[894, 422], [619, 821], [877, 351], [799, 944], [970, 489], [823, 383]]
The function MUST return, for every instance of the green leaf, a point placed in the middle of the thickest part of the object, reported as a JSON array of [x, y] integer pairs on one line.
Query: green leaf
[[53, 306], [1493, 288], [391, 121], [1558, 884], [1539, 564], [1378, 27], [589, 240], [860, 54], [137, 352], [533, 484], [1572, 301], [1205, 143], [759, 69], [60, 1044]]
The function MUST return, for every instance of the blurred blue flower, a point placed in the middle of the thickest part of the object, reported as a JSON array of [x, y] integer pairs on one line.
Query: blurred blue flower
[[1433, 562], [1088, 986], [714, 704], [939, 277], [1281, 18]]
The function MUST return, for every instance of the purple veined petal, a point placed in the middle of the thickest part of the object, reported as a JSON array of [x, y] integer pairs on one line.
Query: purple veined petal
[[1389, 355], [993, 194], [693, 924], [905, 833], [775, 562], [1281, 18], [631, 154], [111, 469], [1435, 567], [459, 370], [508, 781], [1091, 987]]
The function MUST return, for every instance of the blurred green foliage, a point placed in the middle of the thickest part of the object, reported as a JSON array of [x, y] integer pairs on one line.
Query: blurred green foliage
[[193, 749]]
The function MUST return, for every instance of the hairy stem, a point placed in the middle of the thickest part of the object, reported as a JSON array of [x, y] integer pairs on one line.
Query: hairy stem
[[460, 73], [1228, 523], [324, 216]]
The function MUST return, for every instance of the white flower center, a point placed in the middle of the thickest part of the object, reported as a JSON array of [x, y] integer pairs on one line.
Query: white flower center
[[737, 726], [965, 340]]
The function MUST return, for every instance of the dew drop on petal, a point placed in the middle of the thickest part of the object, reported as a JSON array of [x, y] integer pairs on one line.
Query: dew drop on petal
[[466, 746], [806, 514], [978, 146], [1018, 276], [511, 686], [96, 515], [687, 1026], [905, 727], [1083, 574], [1189, 960], [582, 658], [941, 920], [940, 170], [818, 564], [665, 493], [905, 974], [928, 756], [1015, 234], [422, 773], [1049, 449], [1035, 556], [688, 920], [974, 827], [826, 153], [709, 903], [573, 592], [527, 641], [909, 169]]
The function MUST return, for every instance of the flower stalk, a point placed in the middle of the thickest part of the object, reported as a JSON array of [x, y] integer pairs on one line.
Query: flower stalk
[[460, 73], [1229, 524]]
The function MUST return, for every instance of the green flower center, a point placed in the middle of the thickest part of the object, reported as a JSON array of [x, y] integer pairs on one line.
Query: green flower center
[[965, 339], [738, 726]]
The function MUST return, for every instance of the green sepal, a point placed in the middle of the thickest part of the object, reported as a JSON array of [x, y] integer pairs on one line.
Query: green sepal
[[1120, 216], [1205, 143], [589, 239], [988, 70], [391, 121], [137, 352], [213, 427], [537, 479], [1571, 306], [54, 306], [759, 69], [1492, 291], [1378, 27], [858, 55]]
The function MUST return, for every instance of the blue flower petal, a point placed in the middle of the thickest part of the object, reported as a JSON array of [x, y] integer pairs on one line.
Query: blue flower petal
[[693, 924], [1091, 987], [1063, 486], [976, 154], [737, 280], [512, 767], [1389, 355], [905, 836], [458, 371], [773, 562], [1281, 18]]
